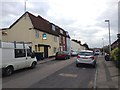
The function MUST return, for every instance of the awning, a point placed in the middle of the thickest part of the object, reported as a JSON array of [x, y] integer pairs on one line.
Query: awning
[[43, 45]]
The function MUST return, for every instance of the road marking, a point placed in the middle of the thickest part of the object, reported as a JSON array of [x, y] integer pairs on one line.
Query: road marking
[[83, 68], [90, 85], [68, 75], [95, 80]]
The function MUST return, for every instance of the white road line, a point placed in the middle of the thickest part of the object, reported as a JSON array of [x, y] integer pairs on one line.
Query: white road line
[[95, 79]]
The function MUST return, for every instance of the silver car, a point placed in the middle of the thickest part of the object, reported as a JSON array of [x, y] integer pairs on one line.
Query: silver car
[[86, 57]]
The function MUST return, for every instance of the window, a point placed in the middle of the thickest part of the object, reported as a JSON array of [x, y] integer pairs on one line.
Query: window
[[60, 38], [20, 53], [37, 33], [38, 48], [61, 31], [55, 38], [53, 27], [63, 40], [44, 36], [54, 50], [29, 52]]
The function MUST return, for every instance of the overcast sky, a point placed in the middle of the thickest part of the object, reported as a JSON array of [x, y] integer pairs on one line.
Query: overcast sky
[[83, 19]]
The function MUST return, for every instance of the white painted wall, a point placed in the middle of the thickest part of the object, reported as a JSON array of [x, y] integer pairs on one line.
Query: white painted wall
[[75, 46]]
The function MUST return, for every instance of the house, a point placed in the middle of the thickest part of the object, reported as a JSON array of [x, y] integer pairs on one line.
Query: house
[[75, 46], [39, 33], [114, 44], [62, 39], [68, 45]]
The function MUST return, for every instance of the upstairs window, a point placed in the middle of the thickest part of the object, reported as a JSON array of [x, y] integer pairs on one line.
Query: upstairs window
[[53, 27], [61, 31], [37, 33]]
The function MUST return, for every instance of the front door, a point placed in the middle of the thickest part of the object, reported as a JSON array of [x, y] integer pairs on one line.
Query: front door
[[45, 52]]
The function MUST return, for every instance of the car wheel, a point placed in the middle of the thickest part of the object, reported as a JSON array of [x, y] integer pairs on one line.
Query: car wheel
[[8, 71], [77, 65], [94, 66], [65, 58], [68, 57], [33, 65]]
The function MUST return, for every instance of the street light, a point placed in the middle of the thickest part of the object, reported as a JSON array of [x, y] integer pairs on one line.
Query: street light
[[108, 21], [103, 45]]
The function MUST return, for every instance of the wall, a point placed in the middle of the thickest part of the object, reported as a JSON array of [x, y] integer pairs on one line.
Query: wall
[[23, 31], [75, 46]]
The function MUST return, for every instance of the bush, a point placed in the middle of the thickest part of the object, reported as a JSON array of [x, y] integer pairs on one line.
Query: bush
[[115, 55]]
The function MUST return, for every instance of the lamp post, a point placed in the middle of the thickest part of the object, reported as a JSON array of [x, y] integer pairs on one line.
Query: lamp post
[[103, 45], [108, 21]]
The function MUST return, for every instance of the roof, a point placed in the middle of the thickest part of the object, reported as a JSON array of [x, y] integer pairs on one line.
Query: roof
[[115, 42], [42, 24]]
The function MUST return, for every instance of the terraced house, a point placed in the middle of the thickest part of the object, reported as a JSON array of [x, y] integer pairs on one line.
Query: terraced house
[[42, 35]]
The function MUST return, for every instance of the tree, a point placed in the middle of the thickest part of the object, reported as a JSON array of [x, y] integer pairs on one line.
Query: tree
[[85, 45]]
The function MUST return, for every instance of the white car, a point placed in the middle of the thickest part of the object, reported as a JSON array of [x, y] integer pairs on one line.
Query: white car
[[86, 57], [15, 56], [74, 53]]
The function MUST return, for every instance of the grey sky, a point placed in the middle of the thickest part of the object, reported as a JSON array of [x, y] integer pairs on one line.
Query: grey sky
[[83, 19]]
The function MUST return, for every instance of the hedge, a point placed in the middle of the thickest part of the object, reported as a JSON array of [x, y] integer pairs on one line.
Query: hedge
[[115, 55]]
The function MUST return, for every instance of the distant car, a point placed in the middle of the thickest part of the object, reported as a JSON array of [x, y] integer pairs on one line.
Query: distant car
[[62, 55], [86, 57], [74, 53], [97, 52]]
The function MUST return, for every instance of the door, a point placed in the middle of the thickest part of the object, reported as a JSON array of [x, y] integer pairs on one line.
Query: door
[[45, 52]]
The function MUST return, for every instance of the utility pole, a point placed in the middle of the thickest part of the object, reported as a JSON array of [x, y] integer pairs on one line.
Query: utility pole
[[108, 21]]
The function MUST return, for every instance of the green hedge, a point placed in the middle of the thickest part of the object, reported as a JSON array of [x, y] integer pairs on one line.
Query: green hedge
[[115, 55]]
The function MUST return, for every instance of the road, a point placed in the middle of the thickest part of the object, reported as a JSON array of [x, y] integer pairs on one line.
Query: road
[[53, 74]]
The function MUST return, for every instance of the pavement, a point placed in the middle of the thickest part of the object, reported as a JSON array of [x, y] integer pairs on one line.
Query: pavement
[[45, 60], [107, 74]]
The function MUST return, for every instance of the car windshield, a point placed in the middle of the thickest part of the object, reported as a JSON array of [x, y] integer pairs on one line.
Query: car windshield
[[86, 53]]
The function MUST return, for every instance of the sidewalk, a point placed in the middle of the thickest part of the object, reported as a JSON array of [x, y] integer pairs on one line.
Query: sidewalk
[[107, 74], [45, 60]]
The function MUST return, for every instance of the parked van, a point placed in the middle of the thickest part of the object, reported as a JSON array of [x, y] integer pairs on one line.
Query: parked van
[[16, 56]]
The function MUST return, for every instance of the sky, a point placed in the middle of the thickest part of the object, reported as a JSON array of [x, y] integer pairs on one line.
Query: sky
[[83, 19]]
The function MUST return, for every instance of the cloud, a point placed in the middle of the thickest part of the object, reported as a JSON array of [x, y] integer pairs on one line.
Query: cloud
[[83, 19]]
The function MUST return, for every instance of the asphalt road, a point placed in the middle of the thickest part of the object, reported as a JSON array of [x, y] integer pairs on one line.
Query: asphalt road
[[53, 74]]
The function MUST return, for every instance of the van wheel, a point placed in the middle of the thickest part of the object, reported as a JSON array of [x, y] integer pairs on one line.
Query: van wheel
[[33, 65], [8, 71]]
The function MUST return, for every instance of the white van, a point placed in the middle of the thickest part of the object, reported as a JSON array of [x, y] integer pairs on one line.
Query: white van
[[16, 56]]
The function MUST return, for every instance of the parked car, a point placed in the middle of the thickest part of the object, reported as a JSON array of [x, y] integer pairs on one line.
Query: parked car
[[74, 53], [16, 56], [107, 57], [86, 57], [62, 55]]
